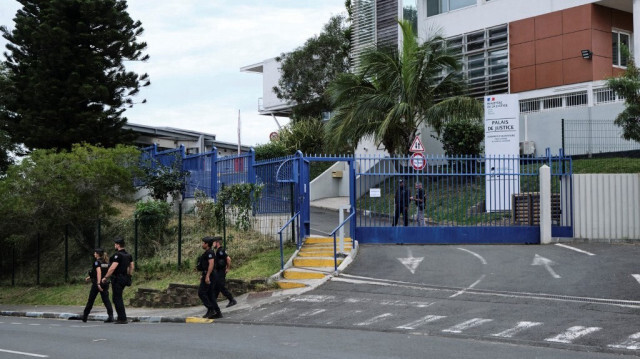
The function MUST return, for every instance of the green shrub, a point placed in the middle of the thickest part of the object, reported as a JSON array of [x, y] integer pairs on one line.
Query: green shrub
[[205, 210], [153, 217]]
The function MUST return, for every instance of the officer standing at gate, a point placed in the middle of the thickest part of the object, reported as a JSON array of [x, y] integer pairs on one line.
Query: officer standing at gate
[[221, 267], [121, 268], [401, 204], [207, 280]]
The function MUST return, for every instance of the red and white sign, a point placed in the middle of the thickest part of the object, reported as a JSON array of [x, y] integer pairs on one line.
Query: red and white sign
[[273, 136], [418, 161], [416, 146]]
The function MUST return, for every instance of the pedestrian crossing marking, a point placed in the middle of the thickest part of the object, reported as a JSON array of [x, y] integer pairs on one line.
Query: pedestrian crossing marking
[[632, 343], [311, 313], [572, 334], [509, 333], [459, 328], [375, 319], [420, 322]]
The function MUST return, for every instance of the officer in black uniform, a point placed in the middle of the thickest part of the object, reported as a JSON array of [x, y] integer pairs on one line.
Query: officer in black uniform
[[206, 288], [221, 267], [121, 268], [99, 269]]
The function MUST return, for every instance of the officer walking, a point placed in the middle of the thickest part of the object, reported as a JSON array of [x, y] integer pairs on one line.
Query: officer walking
[[206, 290], [121, 268], [221, 268], [99, 269], [419, 199]]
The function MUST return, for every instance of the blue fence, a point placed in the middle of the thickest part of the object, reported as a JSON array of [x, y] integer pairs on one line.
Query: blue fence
[[466, 199], [230, 170]]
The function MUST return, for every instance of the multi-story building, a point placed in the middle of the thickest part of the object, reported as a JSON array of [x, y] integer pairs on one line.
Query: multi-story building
[[555, 54]]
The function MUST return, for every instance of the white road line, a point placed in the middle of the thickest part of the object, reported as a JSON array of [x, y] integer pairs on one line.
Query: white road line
[[23, 353], [509, 333], [475, 254], [273, 314], [572, 334], [574, 249], [34, 324], [376, 319], [420, 322], [633, 343], [637, 277], [313, 298], [15, 323], [458, 328], [469, 287], [311, 313]]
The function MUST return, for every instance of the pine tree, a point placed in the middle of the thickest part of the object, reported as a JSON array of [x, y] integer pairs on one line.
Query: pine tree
[[67, 75]]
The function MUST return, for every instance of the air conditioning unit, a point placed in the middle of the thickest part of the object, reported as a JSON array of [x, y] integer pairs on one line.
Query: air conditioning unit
[[527, 148]]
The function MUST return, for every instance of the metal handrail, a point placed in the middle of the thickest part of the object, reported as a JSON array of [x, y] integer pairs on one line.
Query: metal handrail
[[280, 233], [335, 255]]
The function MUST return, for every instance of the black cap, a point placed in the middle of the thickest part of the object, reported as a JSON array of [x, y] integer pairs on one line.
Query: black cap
[[217, 239], [119, 241], [100, 251], [401, 180], [208, 240]]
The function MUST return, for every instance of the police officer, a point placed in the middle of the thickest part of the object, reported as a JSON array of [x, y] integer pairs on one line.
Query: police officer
[[401, 204], [99, 269], [221, 267], [206, 289], [121, 268]]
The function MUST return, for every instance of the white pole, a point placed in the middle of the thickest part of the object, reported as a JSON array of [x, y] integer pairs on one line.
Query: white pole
[[636, 26], [238, 132], [545, 204]]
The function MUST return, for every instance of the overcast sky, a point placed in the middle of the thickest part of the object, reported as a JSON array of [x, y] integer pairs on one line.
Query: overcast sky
[[197, 48]]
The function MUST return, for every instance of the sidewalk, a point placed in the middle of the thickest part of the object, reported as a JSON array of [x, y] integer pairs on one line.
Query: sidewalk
[[149, 315]]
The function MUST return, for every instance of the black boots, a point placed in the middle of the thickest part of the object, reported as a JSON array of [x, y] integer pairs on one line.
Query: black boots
[[232, 302]]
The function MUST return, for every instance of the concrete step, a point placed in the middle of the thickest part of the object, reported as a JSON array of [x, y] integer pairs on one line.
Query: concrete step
[[314, 240], [290, 284], [303, 273], [322, 253], [314, 261]]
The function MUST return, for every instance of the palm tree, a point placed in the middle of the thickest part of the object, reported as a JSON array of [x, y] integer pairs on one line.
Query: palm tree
[[396, 92]]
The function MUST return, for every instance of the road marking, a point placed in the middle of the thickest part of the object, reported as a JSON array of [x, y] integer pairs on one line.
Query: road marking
[[376, 319], [16, 323], [421, 322], [34, 324], [517, 329], [542, 261], [469, 287], [574, 249], [273, 314], [475, 254], [458, 328], [99, 340], [313, 298], [311, 313], [572, 334], [24, 353], [347, 278], [411, 262], [633, 343], [637, 277]]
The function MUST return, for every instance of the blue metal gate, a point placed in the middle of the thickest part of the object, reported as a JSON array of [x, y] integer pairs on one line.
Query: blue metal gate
[[467, 199]]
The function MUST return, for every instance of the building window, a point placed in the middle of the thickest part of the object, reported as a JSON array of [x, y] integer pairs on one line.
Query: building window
[[619, 41], [485, 60], [435, 7]]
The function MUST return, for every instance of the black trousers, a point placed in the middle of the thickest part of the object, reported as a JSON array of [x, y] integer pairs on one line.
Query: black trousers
[[220, 287], [206, 291], [118, 302], [405, 216], [105, 299]]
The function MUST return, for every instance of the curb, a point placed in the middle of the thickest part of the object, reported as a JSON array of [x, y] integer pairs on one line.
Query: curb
[[98, 317]]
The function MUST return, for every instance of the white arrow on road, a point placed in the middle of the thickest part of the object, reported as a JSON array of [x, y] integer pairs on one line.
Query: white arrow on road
[[542, 261], [411, 262], [637, 277]]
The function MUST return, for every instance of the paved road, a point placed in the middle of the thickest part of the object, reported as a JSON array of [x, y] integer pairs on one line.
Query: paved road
[[581, 298], [47, 338]]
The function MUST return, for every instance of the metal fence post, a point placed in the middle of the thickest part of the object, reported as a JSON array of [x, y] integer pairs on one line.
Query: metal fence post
[[66, 253], [13, 265], [214, 173], [38, 259], [98, 239], [135, 238], [224, 222], [180, 235]]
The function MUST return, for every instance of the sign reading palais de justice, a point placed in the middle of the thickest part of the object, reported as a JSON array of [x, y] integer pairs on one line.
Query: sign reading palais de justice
[[502, 146]]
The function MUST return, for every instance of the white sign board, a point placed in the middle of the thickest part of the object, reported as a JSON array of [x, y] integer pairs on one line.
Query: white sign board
[[502, 146], [374, 192], [416, 146]]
